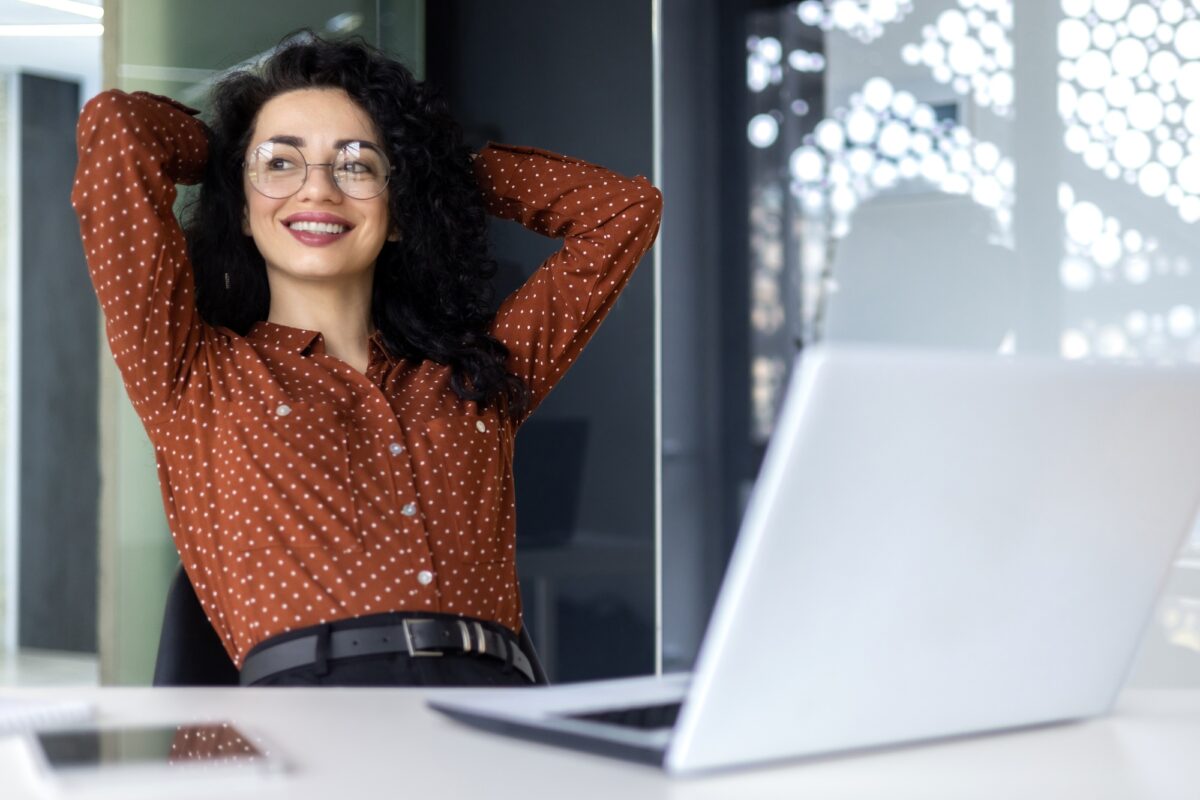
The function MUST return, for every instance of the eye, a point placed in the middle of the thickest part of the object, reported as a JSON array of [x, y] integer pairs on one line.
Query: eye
[[357, 168], [279, 164]]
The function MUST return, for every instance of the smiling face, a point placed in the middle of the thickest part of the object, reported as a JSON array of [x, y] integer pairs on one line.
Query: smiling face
[[318, 233]]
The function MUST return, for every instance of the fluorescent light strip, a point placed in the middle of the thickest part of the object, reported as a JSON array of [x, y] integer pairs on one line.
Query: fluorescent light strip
[[69, 6], [14, 31]]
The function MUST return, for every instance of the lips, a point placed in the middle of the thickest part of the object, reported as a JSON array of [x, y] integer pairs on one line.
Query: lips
[[318, 216], [316, 228]]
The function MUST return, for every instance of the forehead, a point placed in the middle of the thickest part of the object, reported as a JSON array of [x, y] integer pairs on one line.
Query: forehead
[[318, 116]]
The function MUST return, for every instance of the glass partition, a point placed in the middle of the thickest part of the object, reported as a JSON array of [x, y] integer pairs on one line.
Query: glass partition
[[1010, 177]]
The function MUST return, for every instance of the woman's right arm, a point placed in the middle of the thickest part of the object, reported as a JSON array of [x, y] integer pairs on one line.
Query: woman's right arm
[[133, 149]]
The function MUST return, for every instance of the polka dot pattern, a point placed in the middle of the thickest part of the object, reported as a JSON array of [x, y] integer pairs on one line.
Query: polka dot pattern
[[299, 490], [208, 744]]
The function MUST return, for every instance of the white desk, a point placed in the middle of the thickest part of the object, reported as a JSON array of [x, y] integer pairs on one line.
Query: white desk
[[368, 743]]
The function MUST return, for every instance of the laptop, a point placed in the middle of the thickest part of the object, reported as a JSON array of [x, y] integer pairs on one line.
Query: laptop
[[938, 544]]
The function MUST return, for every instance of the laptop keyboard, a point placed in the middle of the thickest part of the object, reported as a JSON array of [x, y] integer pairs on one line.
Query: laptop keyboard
[[644, 717]]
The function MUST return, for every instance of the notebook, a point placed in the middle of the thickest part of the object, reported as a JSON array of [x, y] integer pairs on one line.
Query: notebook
[[25, 713]]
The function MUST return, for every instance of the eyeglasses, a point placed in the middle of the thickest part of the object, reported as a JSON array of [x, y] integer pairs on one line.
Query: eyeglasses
[[278, 170]]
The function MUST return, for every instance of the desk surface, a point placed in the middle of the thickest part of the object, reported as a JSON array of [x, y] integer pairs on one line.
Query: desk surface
[[351, 743]]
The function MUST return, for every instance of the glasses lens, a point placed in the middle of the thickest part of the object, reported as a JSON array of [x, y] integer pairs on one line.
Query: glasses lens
[[360, 170], [275, 169]]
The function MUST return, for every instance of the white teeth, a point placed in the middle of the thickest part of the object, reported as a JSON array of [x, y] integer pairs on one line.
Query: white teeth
[[317, 227]]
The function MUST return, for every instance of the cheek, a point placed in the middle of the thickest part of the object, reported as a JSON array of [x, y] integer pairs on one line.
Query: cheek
[[260, 215]]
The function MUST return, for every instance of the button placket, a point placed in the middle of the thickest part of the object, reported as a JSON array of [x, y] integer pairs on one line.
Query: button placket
[[399, 472]]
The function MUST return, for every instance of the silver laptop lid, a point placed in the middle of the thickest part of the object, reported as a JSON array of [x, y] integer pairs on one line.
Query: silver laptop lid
[[942, 543]]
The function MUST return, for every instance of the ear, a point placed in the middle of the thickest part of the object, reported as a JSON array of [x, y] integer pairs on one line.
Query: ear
[[394, 236], [246, 222]]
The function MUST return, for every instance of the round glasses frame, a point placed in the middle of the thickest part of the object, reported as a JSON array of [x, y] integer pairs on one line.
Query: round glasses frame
[[387, 174]]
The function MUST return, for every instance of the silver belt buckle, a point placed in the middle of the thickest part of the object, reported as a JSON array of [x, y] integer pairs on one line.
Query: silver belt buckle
[[412, 650]]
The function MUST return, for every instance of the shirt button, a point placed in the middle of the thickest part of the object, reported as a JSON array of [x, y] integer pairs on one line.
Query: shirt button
[[409, 509], [396, 448], [283, 409], [481, 427], [424, 577]]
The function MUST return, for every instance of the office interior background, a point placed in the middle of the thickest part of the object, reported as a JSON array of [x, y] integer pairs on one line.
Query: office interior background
[[1012, 176]]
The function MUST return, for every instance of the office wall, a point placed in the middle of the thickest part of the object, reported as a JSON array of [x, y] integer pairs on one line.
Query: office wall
[[59, 478], [577, 80], [580, 86]]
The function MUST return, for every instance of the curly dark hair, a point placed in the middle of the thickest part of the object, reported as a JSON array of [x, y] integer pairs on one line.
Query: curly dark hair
[[432, 290]]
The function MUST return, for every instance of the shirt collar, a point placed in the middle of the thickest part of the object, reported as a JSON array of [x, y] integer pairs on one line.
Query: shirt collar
[[377, 350], [301, 341], [283, 337]]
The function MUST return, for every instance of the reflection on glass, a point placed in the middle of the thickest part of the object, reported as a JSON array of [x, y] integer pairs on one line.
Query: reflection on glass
[[1101, 254], [785, 64], [189, 745], [1129, 98], [1129, 93], [886, 137], [883, 139], [212, 742], [1100, 250], [862, 19], [970, 48]]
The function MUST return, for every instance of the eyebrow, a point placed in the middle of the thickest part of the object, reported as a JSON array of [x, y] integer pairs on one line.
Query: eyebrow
[[296, 141]]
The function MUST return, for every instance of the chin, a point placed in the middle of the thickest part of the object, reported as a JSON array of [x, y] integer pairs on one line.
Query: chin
[[320, 272], [304, 266]]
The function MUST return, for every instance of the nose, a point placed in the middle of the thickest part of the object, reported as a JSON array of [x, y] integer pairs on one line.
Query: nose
[[320, 186]]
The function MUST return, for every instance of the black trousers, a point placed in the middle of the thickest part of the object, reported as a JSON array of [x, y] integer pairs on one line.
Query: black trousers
[[393, 669]]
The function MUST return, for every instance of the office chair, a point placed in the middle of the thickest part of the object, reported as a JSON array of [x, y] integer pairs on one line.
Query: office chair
[[189, 651], [191, 654]]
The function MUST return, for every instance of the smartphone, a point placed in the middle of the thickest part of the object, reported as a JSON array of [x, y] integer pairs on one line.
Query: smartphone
[[149, 755]]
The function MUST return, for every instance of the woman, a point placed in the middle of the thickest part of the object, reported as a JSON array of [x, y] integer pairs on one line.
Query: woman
[[331, 400]]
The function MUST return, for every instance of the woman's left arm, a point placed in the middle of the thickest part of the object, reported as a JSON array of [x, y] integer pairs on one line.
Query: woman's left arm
[[607, 222]]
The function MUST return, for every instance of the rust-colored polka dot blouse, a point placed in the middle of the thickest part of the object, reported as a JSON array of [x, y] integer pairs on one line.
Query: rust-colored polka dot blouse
[[297, 489]]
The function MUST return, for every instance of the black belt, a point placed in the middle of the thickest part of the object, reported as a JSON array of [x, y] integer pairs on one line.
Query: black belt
[[417, 636]]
